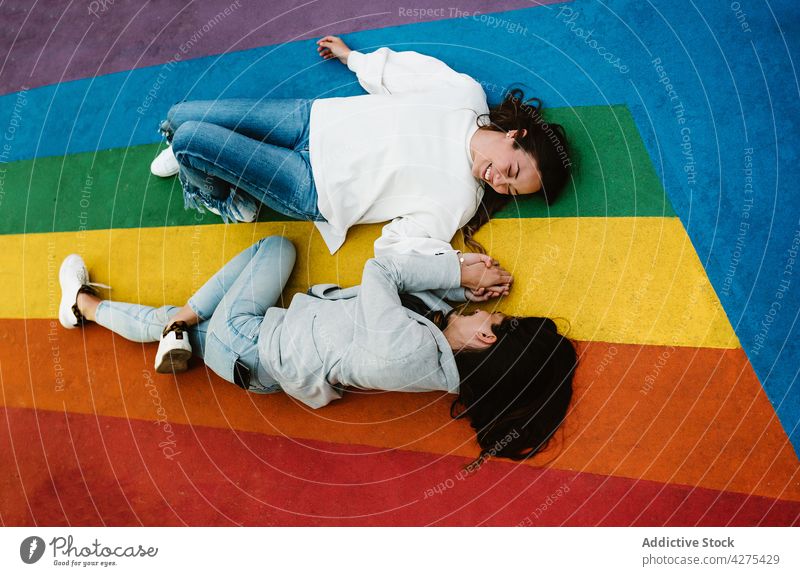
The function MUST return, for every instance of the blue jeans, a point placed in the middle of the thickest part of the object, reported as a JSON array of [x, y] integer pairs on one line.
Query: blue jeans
[[231, 306], [256, 146]]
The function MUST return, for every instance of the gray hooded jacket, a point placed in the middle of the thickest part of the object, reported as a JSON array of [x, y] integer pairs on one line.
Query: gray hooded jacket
[[363, 337]]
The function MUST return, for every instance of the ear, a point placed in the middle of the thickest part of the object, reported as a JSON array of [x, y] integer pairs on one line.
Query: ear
[[515, 133], [486, 338]]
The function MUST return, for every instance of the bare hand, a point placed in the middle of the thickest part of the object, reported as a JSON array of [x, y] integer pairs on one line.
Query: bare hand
[[333, 47], [479, 295], [478, 275], [484, 294], [473, 258]]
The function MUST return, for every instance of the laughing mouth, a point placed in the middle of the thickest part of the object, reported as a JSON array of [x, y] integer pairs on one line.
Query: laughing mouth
[[488, 173]]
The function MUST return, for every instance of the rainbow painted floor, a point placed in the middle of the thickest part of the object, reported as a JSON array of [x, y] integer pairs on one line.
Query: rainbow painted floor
[[672, 262]]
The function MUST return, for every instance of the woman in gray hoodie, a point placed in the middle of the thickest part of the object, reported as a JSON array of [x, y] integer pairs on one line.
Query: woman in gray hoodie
[[513, 375]]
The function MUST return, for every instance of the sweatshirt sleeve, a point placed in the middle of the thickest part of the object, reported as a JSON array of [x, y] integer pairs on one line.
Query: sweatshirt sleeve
[[453, 294], [404, 235], [385, 71], [382, 323]]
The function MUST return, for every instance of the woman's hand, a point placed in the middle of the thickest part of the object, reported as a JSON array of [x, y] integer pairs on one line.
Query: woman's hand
[[473, 258], [481, 274], [333, 47], [484, 294]]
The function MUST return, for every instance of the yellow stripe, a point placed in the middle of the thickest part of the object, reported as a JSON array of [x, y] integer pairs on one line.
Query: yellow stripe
[[631, 280]]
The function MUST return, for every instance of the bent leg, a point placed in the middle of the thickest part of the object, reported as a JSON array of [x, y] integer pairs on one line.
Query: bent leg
[[257, 288], [234, 326], [201, 190], [278, 177], [279, 121], [205, 301], [140, 323]]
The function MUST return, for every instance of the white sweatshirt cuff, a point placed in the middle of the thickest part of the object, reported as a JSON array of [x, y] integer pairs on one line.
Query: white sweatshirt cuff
[[354, 60]]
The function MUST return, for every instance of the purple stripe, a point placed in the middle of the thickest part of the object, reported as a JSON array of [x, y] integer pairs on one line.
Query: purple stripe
[[60, 40]]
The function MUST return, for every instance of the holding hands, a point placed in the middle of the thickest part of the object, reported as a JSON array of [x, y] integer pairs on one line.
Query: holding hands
[[333, 47], [483, 277]]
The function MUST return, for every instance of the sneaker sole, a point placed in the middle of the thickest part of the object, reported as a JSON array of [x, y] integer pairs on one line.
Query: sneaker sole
[[164, 174], [174, 361], [65, 316]]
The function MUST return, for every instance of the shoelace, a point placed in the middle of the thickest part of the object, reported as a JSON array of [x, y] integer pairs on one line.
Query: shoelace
[[178, 327], [87, 288], [98, 285]]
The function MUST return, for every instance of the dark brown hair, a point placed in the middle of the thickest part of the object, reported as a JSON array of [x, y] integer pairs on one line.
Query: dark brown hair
[[516, 393], [546, 142]]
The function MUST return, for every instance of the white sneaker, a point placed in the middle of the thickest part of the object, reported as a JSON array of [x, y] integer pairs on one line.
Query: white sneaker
[[174, 349], [74, 278], [165, 164], [242, 207]]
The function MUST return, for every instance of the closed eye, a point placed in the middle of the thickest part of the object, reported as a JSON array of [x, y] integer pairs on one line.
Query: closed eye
[[514, 193]]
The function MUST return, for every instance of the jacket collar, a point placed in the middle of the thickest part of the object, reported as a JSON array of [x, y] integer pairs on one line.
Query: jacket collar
[[447, 359]]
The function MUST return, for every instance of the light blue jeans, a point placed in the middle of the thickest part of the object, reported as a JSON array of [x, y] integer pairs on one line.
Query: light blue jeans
[[231, 306], [256, 146]]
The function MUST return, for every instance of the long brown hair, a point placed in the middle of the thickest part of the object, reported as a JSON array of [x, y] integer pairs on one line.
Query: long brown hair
[[546, 142], [516, 393]]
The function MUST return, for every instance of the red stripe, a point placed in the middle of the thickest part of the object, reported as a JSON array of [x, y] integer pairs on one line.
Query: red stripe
[[75, 469]]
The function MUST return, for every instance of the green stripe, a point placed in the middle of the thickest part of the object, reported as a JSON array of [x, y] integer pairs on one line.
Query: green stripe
[[114, 188], [613, 173]]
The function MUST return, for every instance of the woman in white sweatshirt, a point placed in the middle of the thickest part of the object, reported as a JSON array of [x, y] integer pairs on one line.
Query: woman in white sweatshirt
[[421, 150]]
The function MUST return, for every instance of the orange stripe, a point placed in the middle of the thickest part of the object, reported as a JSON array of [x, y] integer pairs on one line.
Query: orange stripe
[[692, 416]]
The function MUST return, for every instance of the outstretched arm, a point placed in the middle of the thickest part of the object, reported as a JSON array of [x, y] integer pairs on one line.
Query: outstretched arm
[[333, 47], [385, 71]]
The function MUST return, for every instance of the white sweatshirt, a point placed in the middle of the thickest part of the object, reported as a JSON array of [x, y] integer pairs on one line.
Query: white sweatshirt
[[400, 153]]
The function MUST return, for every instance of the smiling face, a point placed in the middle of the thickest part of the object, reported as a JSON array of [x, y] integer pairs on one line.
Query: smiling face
[[502, 164]]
